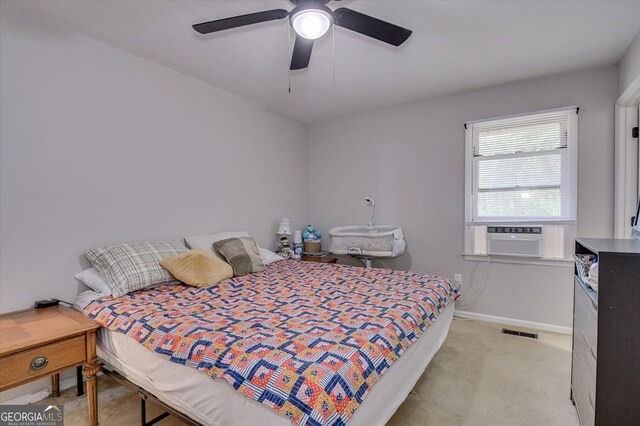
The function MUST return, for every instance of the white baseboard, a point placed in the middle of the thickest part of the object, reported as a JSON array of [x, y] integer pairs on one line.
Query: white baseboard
[[515, 322], [45, 392], [30, 398]]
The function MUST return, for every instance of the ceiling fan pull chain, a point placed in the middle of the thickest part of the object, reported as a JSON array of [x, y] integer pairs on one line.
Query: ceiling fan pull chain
[[289, 50], [333, 52]]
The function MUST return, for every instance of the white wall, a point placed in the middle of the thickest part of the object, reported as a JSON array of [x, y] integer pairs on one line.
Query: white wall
[[98, 146], [629, 65], [410, 159]]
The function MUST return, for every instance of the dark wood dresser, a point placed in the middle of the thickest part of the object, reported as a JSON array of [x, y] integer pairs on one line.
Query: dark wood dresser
[[605, 373]]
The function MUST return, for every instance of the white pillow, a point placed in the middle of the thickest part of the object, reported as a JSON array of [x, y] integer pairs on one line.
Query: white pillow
[[268, 256], [92, 279], [205, 242]]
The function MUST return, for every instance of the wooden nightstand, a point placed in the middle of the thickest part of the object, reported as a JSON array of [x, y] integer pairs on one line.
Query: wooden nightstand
[[36, 343], [320, 259]]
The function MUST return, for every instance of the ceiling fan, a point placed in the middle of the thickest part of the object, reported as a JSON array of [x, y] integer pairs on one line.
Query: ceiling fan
[[311, 19]]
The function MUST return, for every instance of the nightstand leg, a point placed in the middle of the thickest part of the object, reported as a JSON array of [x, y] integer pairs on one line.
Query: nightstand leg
[[55, 385], [90, 371]]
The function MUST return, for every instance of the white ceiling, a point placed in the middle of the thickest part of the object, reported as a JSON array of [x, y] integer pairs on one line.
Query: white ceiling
[[455, 46]]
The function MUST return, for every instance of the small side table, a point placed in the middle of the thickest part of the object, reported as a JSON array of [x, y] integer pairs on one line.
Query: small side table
[[37, 343], [320, 259]]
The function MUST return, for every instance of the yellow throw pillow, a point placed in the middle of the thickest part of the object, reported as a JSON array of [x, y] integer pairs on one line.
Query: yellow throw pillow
[[198, 268]]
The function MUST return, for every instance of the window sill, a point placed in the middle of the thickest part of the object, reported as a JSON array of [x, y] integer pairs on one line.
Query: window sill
[[563, 263]]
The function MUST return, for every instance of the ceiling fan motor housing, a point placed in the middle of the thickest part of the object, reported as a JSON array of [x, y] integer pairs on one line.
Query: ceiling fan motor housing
[[301, 2], [304, 5]]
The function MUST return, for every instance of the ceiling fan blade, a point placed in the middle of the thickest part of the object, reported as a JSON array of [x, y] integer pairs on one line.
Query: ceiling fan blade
[[240, 21], [301, 53], [370, 26]]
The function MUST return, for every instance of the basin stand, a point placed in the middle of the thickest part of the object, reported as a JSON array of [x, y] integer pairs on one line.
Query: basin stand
[[367, 260]]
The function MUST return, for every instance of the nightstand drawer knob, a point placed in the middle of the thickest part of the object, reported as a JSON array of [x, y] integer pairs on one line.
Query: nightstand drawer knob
[[39, 362]]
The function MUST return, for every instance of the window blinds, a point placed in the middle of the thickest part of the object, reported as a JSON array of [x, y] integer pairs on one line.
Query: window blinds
[[522, 169]]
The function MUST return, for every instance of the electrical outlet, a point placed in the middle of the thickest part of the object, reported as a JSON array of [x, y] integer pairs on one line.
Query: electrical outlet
[[457, 278]]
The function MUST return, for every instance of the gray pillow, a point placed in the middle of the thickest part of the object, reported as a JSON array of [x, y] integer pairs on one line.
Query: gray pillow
[[134, 266], [241, 253], [205, 242]]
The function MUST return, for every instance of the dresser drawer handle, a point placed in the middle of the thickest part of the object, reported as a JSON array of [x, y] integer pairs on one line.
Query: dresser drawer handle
[[39, 362]]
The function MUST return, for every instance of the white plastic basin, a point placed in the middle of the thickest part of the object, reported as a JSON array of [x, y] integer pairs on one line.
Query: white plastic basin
[[374, 241]]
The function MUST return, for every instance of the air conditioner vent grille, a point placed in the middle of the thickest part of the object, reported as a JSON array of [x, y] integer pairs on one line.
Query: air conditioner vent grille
[[508, 240], [515, 247]]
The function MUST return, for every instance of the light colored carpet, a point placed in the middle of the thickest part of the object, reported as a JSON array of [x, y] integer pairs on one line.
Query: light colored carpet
[[479, 377]]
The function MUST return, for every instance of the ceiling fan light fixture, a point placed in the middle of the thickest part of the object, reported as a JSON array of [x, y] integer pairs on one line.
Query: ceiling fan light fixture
[[311, 19], [311, 23]]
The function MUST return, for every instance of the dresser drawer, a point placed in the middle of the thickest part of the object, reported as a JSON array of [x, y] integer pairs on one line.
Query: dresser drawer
[[586, 314], [41, 361], [584, 405], [586, 360]]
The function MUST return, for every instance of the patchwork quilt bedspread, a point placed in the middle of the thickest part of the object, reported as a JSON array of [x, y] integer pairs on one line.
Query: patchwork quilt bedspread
[[307, 339]]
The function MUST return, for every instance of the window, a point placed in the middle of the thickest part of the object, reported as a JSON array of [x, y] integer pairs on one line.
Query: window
[[522, 170]]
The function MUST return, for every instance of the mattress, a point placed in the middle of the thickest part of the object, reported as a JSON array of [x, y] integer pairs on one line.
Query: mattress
[[215, 402], [307, 342]]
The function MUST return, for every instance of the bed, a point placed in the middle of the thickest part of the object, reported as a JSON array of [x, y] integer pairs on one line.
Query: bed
[[301, 342]]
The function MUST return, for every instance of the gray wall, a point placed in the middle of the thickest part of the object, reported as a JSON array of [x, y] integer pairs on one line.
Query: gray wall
[[629, 66], [98, 146], [411, 160]]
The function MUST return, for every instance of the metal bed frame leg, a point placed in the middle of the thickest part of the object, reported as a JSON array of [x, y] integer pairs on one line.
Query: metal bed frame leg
[[146, 396], [143, 412]]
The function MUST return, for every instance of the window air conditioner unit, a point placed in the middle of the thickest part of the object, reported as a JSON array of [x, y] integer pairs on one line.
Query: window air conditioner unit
[[515, 241]]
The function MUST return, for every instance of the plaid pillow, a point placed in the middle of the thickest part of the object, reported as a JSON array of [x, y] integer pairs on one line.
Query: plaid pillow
[[241, 253], [130, 267]]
